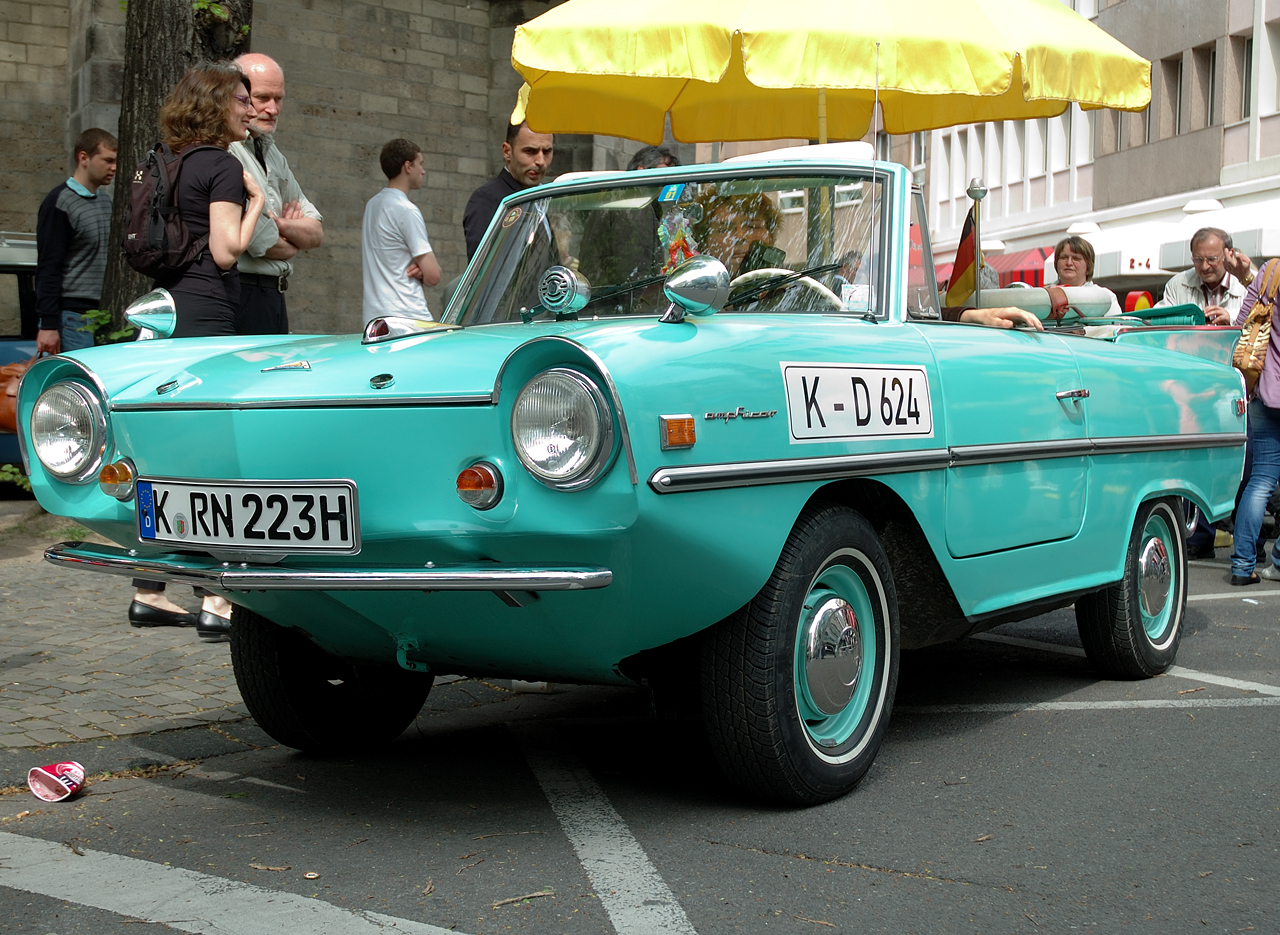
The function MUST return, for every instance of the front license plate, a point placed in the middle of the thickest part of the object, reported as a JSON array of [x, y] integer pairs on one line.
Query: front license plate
[[257, 516]]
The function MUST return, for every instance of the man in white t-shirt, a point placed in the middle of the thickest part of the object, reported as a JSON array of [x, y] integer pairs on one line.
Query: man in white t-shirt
[[397, 257]]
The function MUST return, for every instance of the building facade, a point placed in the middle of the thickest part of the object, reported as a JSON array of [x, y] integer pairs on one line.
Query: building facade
[[1206, 152]]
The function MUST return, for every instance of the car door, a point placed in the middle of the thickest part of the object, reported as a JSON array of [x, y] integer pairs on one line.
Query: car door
[[1019, 471]]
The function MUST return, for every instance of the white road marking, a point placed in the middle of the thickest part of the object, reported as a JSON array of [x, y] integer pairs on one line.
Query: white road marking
[[633, 893], [1017, 707], [1176, 671], [1229, 595], [182, 899], [270, 785], [1261, 687]]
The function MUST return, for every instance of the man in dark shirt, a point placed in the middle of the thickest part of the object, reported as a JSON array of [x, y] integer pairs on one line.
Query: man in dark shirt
[[71, 245], [526, 157]]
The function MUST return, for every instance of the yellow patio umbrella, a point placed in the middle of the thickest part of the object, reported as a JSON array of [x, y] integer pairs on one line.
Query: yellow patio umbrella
[[811, 69]]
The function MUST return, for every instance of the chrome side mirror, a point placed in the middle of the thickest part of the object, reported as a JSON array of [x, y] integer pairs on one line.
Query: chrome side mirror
[[698, 287], [154, 315]]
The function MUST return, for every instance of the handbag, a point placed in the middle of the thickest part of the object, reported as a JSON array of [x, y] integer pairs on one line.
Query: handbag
[[10, 377], [1250, 354]]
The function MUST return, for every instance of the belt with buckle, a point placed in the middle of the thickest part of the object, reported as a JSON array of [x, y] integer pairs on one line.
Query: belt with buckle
[[278, 283]]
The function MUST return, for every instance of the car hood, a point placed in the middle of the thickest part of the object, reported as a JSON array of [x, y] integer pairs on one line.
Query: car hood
[[329, 369]]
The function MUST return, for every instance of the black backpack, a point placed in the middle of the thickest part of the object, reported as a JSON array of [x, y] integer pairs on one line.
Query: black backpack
[[157, 242]]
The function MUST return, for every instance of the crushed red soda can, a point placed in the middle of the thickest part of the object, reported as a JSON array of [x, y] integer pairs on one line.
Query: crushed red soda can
[[56, 782]]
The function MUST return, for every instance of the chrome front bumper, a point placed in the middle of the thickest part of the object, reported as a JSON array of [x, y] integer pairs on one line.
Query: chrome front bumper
[[238, 576]]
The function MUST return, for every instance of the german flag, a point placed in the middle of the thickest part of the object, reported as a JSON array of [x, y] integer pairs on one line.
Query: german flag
[[965, 270]]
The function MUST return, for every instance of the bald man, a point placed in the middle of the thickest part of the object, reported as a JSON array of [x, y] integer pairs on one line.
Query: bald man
[[289, 223]]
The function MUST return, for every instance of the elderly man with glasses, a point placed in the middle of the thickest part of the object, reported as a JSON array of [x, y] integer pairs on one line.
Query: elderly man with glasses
[[1217, 281]]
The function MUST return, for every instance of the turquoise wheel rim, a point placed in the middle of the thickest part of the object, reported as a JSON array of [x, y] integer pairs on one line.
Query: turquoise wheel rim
[[830, 731], [1157, 615]]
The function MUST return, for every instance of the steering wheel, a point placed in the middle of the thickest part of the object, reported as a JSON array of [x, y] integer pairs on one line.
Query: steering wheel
[[758, 276]]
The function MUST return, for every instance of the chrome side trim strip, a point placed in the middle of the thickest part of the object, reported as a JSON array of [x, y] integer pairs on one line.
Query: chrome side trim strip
[[791, 470], [1134, 444], [477, 399], [1020, 451], [206, 572]]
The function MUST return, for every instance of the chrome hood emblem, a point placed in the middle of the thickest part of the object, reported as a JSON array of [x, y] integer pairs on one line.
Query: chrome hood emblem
[[295, 365]]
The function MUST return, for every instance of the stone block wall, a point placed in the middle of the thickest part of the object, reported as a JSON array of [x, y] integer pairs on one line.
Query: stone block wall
[[358, 74], [33, 112], [95, 66], [33, 106]]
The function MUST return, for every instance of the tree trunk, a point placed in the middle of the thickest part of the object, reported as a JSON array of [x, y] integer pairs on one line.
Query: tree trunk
[[163, 38]]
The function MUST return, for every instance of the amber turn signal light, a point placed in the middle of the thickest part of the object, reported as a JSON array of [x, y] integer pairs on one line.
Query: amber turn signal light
[[677, 431], [117, 479], [480, 486]]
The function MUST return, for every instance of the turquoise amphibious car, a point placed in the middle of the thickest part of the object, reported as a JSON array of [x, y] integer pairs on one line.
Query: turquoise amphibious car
[[700, 428]]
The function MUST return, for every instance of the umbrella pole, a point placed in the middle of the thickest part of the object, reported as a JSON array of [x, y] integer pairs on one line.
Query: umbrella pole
[[822, 115]]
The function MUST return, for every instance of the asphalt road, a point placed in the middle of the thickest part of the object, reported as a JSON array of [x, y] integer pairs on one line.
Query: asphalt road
[[1016, 792]]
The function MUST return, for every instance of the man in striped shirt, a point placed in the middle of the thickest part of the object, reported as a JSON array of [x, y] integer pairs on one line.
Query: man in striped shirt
[[71, 245]]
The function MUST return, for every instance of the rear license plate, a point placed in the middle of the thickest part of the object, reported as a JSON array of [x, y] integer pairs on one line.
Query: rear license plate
[[259, 516]]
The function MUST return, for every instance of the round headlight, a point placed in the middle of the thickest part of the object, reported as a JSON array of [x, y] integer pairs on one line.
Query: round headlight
[[68, 431], [563, 429]]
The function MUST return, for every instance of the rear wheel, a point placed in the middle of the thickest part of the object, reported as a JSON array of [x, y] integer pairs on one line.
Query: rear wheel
[[1132, 629], [309, 700], [798, 685]]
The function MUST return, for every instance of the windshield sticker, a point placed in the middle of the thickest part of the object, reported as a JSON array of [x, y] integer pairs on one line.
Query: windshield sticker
[[671, 192], [512, 216], [829, 402]]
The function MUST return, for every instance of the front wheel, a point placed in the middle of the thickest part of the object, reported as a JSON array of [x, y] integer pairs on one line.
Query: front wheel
[[798, 686], [1131, 630], [309, 700]]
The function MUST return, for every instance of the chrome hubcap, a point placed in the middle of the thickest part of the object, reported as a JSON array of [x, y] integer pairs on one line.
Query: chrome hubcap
[[833, 655], [1154, 576]]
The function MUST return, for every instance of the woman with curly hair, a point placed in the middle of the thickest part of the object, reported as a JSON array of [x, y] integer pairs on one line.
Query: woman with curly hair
[[730, 224], [207, 110]]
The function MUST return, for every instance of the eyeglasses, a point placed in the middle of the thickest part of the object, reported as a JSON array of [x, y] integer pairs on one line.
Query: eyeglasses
[[1206, 260], [243, 101]]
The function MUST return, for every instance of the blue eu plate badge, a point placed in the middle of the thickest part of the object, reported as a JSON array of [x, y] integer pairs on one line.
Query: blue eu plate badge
[[146, 511]]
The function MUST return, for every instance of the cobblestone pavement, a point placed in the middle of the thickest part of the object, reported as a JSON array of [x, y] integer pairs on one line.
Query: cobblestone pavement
[[71, 667]]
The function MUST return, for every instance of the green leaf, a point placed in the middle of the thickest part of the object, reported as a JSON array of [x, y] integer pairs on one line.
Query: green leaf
[[11, 473]]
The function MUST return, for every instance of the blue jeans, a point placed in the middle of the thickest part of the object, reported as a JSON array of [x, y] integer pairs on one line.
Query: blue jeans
[[1264, 430], [73, 339]]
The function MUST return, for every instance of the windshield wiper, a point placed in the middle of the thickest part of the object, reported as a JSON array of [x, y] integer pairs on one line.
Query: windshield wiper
[[626, 288], [775, 282]]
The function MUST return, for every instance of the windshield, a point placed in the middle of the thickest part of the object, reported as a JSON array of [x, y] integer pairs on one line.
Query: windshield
[[793, 243]]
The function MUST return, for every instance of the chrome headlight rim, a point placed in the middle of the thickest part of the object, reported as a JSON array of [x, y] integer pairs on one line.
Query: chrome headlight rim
[[99, 441], [598, 466]]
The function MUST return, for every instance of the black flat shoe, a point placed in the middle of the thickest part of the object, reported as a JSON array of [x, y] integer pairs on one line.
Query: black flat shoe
[[213, 629], [1240, 580], [144, 615]]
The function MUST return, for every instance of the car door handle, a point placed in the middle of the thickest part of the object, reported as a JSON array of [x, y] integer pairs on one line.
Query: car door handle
[[1073, 394]]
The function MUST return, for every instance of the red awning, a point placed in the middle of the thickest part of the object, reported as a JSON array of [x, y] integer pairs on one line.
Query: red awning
[[1023, 266]]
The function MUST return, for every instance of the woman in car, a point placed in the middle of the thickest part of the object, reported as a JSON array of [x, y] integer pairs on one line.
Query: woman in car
[[1073, 259], [732, 223]]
